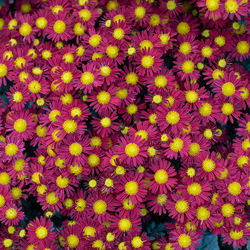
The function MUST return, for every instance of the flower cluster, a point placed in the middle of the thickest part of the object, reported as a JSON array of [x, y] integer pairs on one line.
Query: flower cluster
[[113, 112]]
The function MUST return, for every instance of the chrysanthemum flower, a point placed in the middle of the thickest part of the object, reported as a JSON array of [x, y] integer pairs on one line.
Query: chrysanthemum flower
[[241, 50], [162, 178], [213, 8], [132, 150], [11, 214], [6, 71], [234, 8], [11, 149], [157, 203], [39, 230], [138, 241], [59, 28], [50, 201], [5, 196], [131, 188], [188, 45], [105, 125]]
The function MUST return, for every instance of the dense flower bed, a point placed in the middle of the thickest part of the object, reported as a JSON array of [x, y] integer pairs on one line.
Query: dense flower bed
[[115, 112]]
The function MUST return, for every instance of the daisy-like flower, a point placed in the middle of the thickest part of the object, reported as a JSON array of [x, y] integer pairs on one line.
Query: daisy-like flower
[[132, 188], [65, 77], [157, 203], [172, 118], [213, 8], [241, 50], [6, 71], [104, 99], [89, 78], [234, 8], [50, 201], [18, 96], [183, 239], [39, 230], [125, 224], [138, 241], [59, 28], [131, 150], [180, 208], [106, 125], [74, 148], [208, 51], [244, 126], [162, 178], [195, 189], [101, 207], [178, 145], [188, 45], [11, 149], [148, 61], [21, 124], [10, 214]]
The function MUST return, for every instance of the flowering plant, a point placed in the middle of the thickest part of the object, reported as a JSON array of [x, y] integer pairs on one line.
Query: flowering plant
[[117, 113]]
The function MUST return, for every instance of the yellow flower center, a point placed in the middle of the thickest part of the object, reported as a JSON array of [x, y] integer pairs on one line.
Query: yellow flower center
[[176, 145], [70, 126], [146, 44], [93, 160], [17, 96], [2, 201], [161, 176], [172, 117], [131, 188], [236, 235], [245, 93], [191, 172], [72, 241], [62, 182], [155, 20], [194, 149], [184, 240], [194, 189], [66, 77], [171, 5], [212, 5], [137, 242], [191, 96], [112, 51], [140, 12], [181, 206], [105, 71], [51, 199], [79, 29], [160, 81], [161, 199], [34, 87], [228, 89], [208, 165], [103, 97], [242, 47], [87, 78], [183, 28], [59, 27], [106, 122], [89, 231], [118, 33], [25, 29], [100, 207], [95, 40], [131, 78], [227, 108], [11, 149], [147, 62], [4, 178], [187, 67], [220, 41], [85, 15], [80, 205], [19, 164], [202, 213], [185, 48], [41, 23], [7, 243], [231, 6], [3, 70], [11, 213], [125, 225], [205, 109], [227, 210], [207, 51], [234, 188], [41, 232], [20, 125], [132, 149]]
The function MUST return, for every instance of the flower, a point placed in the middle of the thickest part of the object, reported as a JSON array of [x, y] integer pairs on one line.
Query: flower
[[11, 214]]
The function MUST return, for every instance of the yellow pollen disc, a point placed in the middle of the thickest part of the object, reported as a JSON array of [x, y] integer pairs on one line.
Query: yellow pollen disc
[[227, 210], [85, 15], [41, 232], [80, 205], [131, 78], [4, 178], [112, 51], [75, 149], [140, 12], [184, 240], [212, 5], [106, 122], [234, 188], [35, 87], [227, 108], [191, 172], [55, 9], [161, 176], [160, 81], [236, 235], [202, 213], [220, 41], [41, 22], [128, 205], [161, 199], [183, 28], [51, 198], [11, 213], [242, 47], [100, 207], [208, 165], [118, 18], [187, 67], [147, 62], [19, 164], [172, 117], [7, 243], [3, 70], [164, 38], [181, 206], [194, 149], [137, 242], [11, 149], [109, 182], [105, 71], [155, 20], [217, 73], [194, 189], [93, 160], [245, 93], [25, 29], [62, 182], [231, 6], [205, 109], [95, 40], [185, 48], [228, 89], [118, 33], [171, 5], [103, 97], [146, 44], [70, 126], [176, 145], [79, 29], [72, 241], [59, 27], [66, 77], [132, 149], [2, 201], [20, 125], [89, 231], [87, 78], [191, 96], [125, 225], [131, 188]]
